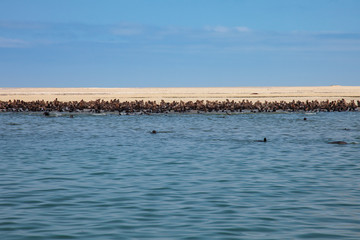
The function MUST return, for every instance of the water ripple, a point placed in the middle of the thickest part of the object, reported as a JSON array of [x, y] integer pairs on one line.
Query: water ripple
[[200, 177]]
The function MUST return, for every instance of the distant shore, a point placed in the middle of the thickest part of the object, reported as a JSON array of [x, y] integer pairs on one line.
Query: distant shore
[[261, 94], [181, 100]]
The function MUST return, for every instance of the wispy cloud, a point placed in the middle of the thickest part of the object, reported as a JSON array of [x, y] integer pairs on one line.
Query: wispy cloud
[[242, 29], [127, 29], [224, 29], [20, 25], [12, 43], [137, 36], [218, 29]]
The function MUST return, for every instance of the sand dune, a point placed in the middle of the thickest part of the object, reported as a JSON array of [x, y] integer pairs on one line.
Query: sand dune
[[185, 94]]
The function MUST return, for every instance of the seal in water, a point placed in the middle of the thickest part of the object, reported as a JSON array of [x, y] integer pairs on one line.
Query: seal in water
[[338, 142], [261, 140], [153, 132]]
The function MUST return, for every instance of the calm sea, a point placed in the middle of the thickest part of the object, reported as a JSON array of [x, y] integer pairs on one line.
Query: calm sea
[[199, 177]]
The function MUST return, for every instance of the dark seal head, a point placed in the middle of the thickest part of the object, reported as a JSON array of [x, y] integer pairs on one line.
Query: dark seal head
[[305, 119], [46, 114], [153, 132]]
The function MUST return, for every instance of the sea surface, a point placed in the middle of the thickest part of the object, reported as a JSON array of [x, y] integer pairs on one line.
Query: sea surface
[[105, 176]]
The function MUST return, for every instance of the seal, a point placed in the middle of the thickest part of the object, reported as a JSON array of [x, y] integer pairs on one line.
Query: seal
[[338, 142], [261, 140], [153, 132]]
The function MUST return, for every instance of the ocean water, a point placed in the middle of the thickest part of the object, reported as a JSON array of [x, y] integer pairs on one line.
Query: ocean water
[[200, 177]]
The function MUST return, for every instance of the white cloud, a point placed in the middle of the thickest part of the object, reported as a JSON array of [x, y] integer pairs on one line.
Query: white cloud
[[242, 29], [127, 30], [21, 25], [147, 36], [223, 29], [12, 43], [217, 29]]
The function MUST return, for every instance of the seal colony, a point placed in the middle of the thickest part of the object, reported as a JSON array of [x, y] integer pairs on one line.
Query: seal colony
[[199, 106]]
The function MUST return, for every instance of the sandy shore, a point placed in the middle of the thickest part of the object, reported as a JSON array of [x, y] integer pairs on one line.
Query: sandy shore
[[185, 94]]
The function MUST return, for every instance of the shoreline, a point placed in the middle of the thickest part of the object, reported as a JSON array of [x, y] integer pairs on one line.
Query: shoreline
[[261, 94], [182, 100]]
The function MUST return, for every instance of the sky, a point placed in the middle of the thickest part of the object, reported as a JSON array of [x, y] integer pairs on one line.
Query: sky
[[179, 43]]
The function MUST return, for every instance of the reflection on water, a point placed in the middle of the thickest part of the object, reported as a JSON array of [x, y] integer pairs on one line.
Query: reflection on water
[[199, 177]]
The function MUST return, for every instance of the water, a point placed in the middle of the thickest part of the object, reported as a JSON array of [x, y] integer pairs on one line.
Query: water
[[200, 177]]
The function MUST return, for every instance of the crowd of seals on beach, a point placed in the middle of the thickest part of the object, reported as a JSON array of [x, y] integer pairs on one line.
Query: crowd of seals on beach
[[148, 107]]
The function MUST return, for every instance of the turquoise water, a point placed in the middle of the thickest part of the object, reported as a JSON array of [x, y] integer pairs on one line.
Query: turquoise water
[[199, 177]]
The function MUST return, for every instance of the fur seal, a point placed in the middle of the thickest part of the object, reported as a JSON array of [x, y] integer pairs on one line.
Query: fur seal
[[261, 140], [338, 142]]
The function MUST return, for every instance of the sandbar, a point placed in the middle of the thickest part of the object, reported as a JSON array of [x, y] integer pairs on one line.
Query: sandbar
[[262, 94]]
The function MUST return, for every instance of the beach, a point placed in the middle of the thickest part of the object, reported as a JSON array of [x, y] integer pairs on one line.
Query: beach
[[262, 94]]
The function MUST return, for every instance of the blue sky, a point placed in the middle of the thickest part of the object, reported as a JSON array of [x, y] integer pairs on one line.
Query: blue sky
[[183, 43]]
